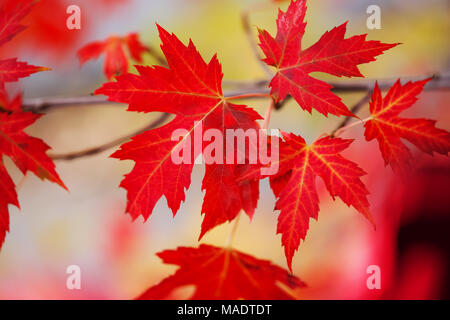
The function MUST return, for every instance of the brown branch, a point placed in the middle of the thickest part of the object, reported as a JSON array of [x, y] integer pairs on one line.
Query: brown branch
[[254, 89], [257, 87], [39, 105], [95, 150], [438, 82], [158, 57]]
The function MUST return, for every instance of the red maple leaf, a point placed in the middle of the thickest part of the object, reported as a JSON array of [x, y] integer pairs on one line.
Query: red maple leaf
[[388, 128], [190, 89], [223, 273], [295, 184], [8, 196], [28, 153], [116, 60], [332, 54]]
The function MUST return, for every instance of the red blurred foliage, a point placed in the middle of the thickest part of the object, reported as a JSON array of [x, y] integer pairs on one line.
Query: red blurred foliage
[[8, 104], [415, 246], [116, 60], [46, 26]]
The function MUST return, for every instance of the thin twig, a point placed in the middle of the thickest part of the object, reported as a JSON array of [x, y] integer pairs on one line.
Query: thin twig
[[232, 234], [439, 81], [111, 144], [245, 20], [241, 84], [354, 124], [40, 105], [158, 57], [46, 104], [21, 182], [248, 96], [269, 110], [353, 110]]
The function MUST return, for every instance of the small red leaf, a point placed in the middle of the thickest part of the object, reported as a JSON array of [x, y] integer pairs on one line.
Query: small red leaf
[[116, 61], [388, 128]]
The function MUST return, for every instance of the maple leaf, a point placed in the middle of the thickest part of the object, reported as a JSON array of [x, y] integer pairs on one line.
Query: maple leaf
[[8, 196], [28, 153], [295, 185], [332, 54], [116, 61], [388, 128], [223, 273], [190, 89], [12, 70]]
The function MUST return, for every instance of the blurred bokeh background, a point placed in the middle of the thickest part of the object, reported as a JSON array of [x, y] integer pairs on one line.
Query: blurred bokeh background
[[87, 225]]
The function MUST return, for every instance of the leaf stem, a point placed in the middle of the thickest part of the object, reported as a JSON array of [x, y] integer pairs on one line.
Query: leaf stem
[[43, 104], [245, 21], [249, 96], [111, 144], [156, 55], [360, 122], [267, 115], [21, 182], [236, 222], [233, 231]]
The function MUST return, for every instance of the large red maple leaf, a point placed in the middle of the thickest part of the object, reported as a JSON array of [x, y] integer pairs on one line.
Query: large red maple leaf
[[223, 273], [332, 54], [190, 89], [116, 60], [388, 128]]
